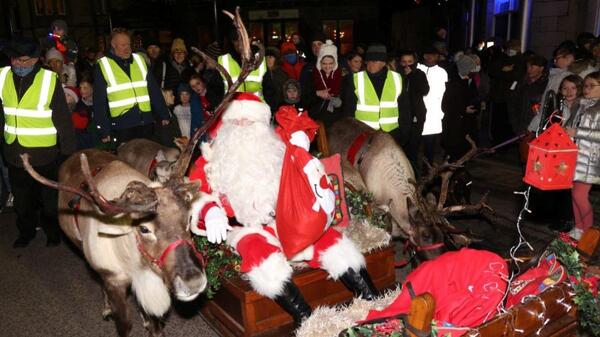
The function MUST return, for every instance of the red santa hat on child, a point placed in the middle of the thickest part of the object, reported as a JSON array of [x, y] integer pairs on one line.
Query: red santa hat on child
[[247, 106]]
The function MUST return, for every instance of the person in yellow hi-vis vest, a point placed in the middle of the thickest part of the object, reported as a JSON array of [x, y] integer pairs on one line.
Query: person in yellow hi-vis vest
[[35, 120], [127, 98], [256, 82], [378, 96]]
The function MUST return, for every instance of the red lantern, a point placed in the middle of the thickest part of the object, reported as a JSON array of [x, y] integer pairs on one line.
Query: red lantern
[[551, 160]]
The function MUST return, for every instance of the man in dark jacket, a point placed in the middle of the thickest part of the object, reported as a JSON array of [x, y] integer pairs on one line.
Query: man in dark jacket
[[36, 121], [377, 74], [417, 87], [526, 94], [127, 99]]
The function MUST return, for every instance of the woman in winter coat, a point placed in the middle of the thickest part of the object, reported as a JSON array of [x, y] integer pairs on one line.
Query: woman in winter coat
[[585, 130], [327, 80]]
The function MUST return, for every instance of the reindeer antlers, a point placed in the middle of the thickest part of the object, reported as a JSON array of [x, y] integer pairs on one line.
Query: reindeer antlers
[[121, 205], [249, 63]]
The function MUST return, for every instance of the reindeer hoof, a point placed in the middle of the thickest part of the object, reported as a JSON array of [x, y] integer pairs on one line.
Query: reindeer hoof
[[106, 314]]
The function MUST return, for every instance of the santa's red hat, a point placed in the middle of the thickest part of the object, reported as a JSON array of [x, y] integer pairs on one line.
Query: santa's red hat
[[247, 106]]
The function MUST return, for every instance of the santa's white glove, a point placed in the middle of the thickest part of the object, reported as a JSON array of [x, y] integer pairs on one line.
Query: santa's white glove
[[319, 183], [217, 225], [300, 139]]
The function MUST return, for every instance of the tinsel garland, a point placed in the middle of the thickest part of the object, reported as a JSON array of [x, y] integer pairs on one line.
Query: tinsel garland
[[586, 287], [357, 201]]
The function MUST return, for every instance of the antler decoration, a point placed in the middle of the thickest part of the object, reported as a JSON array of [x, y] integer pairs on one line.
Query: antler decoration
[[108, 207], [250, 62]]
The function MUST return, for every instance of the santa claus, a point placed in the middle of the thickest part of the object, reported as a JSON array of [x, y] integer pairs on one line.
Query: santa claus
[[240, 171]]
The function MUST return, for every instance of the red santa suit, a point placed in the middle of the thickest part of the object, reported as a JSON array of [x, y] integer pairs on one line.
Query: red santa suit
[[240, 171]]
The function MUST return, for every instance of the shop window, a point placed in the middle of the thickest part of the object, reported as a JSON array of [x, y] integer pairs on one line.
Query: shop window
[[274, 34], [341, 32], [291, 27], [49, 7], [256, 31]]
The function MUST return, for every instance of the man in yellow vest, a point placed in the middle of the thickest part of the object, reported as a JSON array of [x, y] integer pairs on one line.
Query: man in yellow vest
[[256, 82], [127, 98], [378, 96], [35, 120]]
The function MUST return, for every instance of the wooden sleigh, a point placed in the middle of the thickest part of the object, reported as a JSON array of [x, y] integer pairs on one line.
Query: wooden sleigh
[[551, 314]]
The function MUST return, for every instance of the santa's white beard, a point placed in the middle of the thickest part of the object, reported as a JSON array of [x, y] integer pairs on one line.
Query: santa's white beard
[[245, 166]]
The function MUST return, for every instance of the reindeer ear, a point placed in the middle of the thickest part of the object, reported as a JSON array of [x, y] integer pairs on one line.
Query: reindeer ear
[[160, 156], [188, 191]]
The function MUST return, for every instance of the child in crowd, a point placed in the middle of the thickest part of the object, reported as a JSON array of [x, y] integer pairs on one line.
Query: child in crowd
[[80, 119], [292, 94], [585, 129], [84, 114], [165, 134], [183, 111]]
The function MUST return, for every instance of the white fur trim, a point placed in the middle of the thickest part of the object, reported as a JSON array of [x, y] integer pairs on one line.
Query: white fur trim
[[206, 150], [305, 255], [342, 255], [151, 292], [250, 110], [269, 277], [238, 233], [196, 208]]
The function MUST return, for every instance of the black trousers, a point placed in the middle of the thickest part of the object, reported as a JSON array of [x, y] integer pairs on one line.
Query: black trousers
[[34, 203], [125, 135]]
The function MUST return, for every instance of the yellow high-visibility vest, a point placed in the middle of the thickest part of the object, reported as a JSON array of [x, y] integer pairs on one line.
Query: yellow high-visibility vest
[[252, 84], [123, 91], [378, 113], [28, 120]]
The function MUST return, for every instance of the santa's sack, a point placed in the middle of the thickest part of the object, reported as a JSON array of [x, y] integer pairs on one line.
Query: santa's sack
[[298, 224]]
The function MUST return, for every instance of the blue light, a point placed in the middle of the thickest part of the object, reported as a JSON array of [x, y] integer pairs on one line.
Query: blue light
[[502, 6]]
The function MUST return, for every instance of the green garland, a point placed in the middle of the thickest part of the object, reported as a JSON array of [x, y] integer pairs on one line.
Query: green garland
[[221, 263], [588, 304], [357, 201]]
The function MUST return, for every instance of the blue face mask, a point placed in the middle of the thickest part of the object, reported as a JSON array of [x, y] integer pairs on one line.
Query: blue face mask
[[22, 71], [291, 58]]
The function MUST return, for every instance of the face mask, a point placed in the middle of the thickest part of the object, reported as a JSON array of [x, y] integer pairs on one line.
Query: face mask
[[22, 71], [511, 52], [291, 58], [477, 69]]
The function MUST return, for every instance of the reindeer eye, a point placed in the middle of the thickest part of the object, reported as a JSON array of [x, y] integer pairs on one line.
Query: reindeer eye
[[144, 230]]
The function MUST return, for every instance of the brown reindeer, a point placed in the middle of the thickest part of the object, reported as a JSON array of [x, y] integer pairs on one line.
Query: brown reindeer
[[154, 160], [387, 174], [138, 240]]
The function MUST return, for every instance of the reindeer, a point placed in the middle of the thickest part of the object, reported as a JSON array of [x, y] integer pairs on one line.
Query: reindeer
[[387, 174], [134, 232], [138, 239], [154, 160]]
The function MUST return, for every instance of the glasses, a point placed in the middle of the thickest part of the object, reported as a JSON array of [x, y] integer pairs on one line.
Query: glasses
[[590, 86]]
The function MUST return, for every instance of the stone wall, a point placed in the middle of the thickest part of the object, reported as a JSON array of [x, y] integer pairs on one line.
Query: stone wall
[[553, 21]]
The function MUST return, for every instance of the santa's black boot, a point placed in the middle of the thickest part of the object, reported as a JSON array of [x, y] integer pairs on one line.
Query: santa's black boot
[[292, 301], [360, 283]]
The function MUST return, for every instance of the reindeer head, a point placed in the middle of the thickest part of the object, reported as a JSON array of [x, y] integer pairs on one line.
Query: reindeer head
[[157, 217]]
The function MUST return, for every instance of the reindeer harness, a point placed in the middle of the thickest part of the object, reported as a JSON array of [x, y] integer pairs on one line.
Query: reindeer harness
[[360, 145]]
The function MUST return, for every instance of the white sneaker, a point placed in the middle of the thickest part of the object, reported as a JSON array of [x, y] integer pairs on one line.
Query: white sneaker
[[576, 233], [10, 201]]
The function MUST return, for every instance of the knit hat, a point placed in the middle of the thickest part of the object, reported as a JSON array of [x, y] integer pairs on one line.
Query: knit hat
[[248, 106], [318, 36], [291, 84], [328, 49], [151, 42], [465, 65], [213, 50], [178, 45], [72, 92], [288, 48], [53, 54], [376, 52], [22, 46]]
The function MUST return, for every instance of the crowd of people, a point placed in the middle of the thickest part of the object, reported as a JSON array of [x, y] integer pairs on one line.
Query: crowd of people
[[426, 99]]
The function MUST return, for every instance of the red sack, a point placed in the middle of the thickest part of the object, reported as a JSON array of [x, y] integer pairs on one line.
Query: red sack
[[298, 225]]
